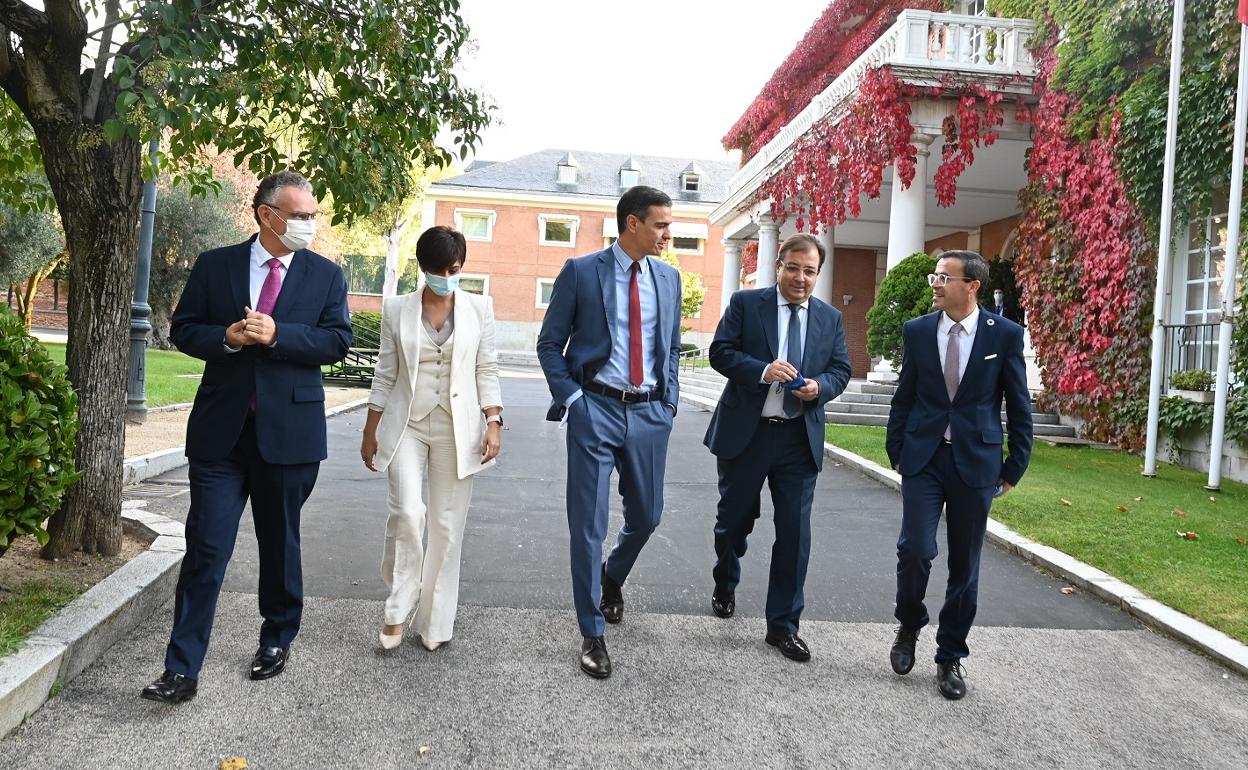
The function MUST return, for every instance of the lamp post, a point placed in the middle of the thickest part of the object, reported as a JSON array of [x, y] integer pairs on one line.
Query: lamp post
[[140, 310]]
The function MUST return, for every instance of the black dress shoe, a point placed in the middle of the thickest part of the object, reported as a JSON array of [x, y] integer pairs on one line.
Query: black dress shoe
[[791, 646], [612, 603], [269, 662], [902, 654], [594, 658], [949, 680], [724, 603], [170, 688]]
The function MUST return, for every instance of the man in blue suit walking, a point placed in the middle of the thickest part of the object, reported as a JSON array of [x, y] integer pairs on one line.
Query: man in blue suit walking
[[264, 315], [609, 348], [783, 352], [944, 437]]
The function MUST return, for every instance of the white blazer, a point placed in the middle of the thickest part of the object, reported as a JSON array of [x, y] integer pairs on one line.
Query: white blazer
[[474, 375]]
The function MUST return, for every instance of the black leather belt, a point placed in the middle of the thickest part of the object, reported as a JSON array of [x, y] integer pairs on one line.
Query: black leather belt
[[627, 397], [780, 420]]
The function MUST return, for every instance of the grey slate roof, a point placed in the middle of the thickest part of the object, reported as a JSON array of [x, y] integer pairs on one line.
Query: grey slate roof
[[597, 174]]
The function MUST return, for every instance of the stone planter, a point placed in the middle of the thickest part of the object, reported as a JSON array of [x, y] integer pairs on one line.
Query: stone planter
[[1199, 396]]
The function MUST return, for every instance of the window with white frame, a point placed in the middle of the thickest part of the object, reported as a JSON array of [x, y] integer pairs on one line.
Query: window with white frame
[[475, 283], [567, 174], [629, 177], [691, 182], [475, 224], [1206, 252], [557, 230], [686, 245], [545, 288]]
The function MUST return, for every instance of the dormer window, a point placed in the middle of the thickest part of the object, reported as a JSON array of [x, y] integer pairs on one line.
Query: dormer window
[[567, 170], [630, 174], [690, 182]]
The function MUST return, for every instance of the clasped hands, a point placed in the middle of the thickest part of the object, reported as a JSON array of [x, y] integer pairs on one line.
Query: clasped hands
[[783, 371], [254, 328]]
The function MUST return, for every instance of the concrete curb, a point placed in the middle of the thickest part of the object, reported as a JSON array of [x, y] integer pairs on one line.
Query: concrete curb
[[147, 466], [1152, 613], [72, 639]]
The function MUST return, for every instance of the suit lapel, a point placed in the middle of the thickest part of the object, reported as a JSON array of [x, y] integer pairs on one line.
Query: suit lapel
[[768, 314], [466, 329], [240, 276], [606, 278], [410, 333], [814, 331], [982, 330], [928, 354], [660, 280], [291, 284]]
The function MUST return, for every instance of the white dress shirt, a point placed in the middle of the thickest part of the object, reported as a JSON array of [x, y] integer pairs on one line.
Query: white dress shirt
[[965, 340], [774, 405]]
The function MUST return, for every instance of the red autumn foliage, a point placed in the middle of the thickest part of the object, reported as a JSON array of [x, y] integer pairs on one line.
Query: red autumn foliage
[[839, 36]]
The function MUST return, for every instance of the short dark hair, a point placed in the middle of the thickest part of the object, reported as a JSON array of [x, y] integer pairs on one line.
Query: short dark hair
[[638, 201], [802, 242], [440, 248], [266, 193], [974, 266]]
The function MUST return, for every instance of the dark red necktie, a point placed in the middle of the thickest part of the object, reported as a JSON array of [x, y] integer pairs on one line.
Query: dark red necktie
[[634, 328]]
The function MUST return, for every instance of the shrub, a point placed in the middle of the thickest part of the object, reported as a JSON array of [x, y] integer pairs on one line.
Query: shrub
[[1192, 379], [39, 413], [903, 295]]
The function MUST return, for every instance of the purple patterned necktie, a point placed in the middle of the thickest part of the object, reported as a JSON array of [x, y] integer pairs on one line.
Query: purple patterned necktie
[[952, 363], [268, 297], [271, 288]]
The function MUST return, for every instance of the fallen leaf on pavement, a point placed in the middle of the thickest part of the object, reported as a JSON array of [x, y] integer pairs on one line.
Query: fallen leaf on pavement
[[424, 749], [233, 763], [1068, 590], [1064, 501]]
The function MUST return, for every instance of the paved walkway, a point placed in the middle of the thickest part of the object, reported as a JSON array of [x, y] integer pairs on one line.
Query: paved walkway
[[1055, 680]]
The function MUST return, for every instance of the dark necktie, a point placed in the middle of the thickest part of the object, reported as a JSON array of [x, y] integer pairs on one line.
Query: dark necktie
[[793, 354], [635, 375]]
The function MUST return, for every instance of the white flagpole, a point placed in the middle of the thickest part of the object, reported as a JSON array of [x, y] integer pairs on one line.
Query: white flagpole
[[1164, 244], [1230, 273]]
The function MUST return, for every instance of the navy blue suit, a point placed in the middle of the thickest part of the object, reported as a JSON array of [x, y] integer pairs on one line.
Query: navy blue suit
[[271, 455], [959, 475], [606, 434], [751, 450]]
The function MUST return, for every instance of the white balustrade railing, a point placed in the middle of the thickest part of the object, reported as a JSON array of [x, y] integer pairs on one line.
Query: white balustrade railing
[[944, 43]]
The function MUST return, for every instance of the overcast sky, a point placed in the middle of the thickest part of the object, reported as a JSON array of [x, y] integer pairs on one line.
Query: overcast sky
[[656, 77]]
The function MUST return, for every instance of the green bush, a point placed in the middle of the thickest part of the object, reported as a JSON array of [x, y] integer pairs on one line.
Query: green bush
[[903, 295], [1192, 379], [39, 412]]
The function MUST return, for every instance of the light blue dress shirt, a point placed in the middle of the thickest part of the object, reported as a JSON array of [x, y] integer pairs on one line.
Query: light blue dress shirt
[[614, 373], [773, 406]]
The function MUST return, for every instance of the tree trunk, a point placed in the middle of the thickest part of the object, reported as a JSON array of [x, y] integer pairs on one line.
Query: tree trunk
[[98, 189], [162, 322], [391, 285]]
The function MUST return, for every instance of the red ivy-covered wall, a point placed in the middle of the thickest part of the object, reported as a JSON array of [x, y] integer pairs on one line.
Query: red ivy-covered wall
[[838, 37]]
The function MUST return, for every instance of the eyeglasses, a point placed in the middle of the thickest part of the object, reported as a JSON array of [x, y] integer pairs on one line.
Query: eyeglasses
[[940, 279], [793, 270], [301, 216]]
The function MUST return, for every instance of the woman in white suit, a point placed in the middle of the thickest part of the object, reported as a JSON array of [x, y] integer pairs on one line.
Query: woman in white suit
[[435, 406]]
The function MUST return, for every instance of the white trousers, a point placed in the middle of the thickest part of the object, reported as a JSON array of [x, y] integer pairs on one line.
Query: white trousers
[[424, 575]]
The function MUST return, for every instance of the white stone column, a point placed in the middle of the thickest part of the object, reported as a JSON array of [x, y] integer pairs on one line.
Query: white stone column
[[768, 249], [823, 287], [732, 272], [906, 218]]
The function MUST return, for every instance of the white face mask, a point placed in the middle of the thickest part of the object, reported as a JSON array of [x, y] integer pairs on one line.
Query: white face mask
[[298, 235]]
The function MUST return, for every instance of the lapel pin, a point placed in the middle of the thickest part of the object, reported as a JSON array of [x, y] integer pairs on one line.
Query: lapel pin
[[991, 322]]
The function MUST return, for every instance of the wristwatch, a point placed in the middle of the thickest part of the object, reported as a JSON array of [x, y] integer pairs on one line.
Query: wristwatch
[[498, 418]]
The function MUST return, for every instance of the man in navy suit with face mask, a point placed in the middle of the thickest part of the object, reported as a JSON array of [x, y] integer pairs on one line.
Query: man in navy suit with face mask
[[944, 437], [264, 316]]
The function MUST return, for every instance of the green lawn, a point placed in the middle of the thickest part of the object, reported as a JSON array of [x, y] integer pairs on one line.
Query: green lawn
[[25, 609], [1094, 505], [162, 384]]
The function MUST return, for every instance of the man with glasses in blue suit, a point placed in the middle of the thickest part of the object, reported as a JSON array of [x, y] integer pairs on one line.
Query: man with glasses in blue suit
[[945, 439]]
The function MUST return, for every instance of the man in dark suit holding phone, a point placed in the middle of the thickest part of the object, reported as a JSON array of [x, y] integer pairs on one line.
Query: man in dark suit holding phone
[[768, 426], [945, 439]]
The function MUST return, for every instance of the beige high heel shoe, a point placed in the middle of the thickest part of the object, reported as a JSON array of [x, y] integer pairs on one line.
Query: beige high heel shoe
[[390, 641]]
